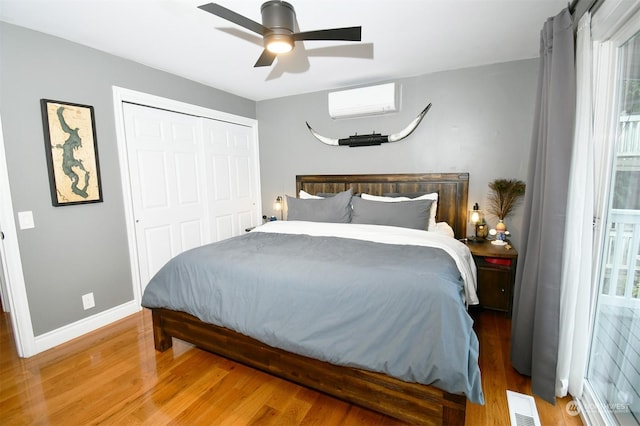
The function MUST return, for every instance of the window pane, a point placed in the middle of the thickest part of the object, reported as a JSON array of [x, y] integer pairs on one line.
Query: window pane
[[614, 365]]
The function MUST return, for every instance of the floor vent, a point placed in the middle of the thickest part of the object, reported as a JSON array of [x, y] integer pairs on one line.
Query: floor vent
[[522, 409]]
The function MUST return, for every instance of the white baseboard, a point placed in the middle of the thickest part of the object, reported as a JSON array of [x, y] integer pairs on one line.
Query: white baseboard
[[84, 326]]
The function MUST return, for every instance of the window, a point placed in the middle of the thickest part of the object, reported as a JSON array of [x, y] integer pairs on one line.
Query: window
[[613, 375]]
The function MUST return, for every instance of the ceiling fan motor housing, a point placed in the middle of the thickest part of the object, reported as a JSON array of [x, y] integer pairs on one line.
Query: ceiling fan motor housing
[[278, 16]]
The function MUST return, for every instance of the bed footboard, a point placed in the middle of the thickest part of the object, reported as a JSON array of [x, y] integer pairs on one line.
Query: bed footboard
[[410, 402]]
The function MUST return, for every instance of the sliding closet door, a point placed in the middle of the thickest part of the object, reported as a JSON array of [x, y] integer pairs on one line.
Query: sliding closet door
[[166, 170], [194, 180]]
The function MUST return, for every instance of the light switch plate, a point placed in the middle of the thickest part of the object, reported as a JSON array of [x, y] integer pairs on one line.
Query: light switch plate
[[88, 301], [26, 220]]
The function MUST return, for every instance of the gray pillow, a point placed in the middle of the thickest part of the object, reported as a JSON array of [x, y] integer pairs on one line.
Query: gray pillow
[[336, 209], [405, 214]]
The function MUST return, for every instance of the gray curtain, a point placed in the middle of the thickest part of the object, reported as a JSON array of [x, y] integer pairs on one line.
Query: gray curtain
[[536, 304]]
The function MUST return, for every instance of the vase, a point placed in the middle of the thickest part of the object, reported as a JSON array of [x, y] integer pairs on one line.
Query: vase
[[501, 228]]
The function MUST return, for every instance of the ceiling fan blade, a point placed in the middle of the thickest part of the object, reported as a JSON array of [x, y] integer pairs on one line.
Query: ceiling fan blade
[[234, 17], [266, 59], [347, 34]]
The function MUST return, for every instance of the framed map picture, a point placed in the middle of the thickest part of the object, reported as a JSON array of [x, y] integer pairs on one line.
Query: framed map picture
[[72, 153]]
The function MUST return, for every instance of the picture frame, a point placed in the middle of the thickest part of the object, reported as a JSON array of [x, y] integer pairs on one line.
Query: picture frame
[[71, 148]]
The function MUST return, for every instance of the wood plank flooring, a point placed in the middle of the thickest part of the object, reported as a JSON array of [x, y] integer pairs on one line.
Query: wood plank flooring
[[114, 376]]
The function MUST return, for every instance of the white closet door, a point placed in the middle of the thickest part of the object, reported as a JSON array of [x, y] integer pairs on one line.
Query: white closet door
[[166, 170], [231, 168]]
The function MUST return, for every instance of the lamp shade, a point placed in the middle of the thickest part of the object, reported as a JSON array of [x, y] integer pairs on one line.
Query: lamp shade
[[475, 216], [277, 204]]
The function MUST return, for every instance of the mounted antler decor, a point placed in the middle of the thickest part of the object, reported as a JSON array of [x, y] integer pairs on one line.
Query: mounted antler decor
[[372, 138]]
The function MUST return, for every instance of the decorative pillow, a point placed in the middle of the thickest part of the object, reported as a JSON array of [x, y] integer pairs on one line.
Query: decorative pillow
[[336, 209], [304, 195], [396, 197], [412, 214]]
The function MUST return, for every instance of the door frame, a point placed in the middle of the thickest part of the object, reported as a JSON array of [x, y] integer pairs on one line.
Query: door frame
[[16, 290], [121, 95]]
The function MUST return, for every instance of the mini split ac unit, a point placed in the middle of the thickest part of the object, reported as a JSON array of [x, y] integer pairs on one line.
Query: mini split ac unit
[[372, 100]]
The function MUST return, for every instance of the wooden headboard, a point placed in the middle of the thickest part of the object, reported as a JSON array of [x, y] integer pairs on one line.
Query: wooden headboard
[[452, 189]]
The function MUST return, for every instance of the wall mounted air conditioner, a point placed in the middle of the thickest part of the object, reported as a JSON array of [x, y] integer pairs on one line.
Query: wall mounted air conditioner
[[371, 100]]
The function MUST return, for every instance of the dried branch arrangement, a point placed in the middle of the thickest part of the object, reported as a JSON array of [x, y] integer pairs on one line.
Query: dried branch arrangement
[[506, 194]]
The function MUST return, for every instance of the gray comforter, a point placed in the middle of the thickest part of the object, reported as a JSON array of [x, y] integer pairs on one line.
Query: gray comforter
[[389, 308]]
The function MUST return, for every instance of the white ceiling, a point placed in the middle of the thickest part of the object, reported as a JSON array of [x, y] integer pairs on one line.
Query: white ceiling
[[400, 38]]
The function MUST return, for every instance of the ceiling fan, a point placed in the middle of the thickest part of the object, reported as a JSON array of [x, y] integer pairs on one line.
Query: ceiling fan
[[277, 28]]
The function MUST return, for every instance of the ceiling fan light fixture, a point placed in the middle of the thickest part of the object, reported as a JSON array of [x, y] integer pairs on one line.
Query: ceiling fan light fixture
[[279, 43]]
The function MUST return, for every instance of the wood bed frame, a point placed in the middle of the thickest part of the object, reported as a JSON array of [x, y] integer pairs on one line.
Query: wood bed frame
[[410, 402]]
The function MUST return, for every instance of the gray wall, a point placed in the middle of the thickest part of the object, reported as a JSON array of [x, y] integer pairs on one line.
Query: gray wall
[[74, 250], [480, 123]]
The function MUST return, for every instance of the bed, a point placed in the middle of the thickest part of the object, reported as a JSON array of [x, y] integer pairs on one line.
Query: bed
[[322, 361]]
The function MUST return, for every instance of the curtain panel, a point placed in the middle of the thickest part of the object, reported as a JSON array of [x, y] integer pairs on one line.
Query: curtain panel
[[536, 305], [576, 291]]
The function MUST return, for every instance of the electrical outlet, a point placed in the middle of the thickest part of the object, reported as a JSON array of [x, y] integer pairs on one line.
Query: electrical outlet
[[87, 301]]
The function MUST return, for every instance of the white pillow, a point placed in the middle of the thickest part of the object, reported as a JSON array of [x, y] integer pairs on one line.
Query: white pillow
[[444, 229], [306, 196], [432, 196]]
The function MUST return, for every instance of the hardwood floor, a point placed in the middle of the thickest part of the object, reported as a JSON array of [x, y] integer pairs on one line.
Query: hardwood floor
[[114, 376]]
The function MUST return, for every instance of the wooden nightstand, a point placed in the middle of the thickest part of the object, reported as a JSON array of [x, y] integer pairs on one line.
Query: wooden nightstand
[[496, 275]]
